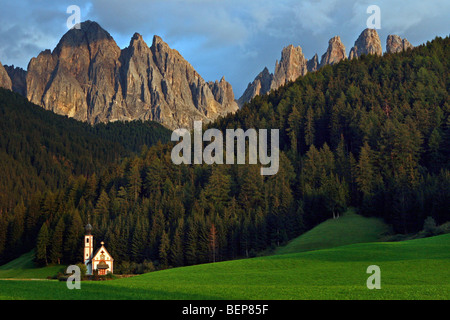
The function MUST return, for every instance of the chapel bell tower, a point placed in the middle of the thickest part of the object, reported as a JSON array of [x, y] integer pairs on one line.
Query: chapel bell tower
[[88, 248]]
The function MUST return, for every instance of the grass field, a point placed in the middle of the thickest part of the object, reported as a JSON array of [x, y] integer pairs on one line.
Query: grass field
[[24, 268], [348, 229], [415, 269]]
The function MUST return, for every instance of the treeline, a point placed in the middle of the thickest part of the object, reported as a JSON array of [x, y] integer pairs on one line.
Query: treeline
[[149, 210], [373, 133], [42, 151]]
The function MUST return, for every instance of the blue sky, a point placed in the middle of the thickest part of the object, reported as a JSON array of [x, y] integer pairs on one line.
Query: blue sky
[[230, 38]]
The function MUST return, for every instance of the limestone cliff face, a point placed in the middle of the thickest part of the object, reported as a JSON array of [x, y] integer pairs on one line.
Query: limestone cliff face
[[223, 93], [291, 66], [18, 78], [77, 79], [89, 78], [5, 81], [313, 63], [259, 86], [334, 53], [368, 42], [396, 44]]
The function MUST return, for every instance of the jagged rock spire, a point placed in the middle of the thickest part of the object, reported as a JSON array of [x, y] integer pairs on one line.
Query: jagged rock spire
[[368, 42], [88, 77], [334, 53], [396, 44], [5, 81]]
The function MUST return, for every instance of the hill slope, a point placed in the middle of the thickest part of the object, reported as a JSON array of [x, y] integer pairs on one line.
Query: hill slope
[[40, 149], [348, 229], [24, 268], [415, 269], [41, 152]]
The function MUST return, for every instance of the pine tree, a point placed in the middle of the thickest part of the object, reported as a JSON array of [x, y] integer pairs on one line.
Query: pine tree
[[176, 249], [16, 228], [3, 231], [217, 191], [138, 243], [42, 244], [164, 250], [156, 231], [309, 127], [191, 243], [251, 194], [294, 120], [74, 239], [134, 180], [56, 251], [102, 205], [213, 241], [365, 171]]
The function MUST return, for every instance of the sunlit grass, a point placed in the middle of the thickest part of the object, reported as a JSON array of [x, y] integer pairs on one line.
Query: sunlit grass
[[416, 269]]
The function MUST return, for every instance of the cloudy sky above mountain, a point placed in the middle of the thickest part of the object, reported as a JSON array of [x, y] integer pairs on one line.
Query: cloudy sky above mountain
[[233, 38]]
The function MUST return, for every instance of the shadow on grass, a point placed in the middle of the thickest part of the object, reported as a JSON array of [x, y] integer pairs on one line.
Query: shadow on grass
[[56, 290]]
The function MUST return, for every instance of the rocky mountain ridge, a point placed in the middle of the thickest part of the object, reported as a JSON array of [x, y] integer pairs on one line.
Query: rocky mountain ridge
[[368, 42], [396, 44], [88, 77], [5, 80]]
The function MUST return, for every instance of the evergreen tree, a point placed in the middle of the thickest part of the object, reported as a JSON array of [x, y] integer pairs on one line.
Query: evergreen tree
[[74, 239], [366, 171], [176, 249], [164, 250], [42, 244], [213, 242], [56, 251]]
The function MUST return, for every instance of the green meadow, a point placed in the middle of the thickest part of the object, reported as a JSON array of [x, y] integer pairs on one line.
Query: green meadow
[[415, 269], [328, 262], [348, 229], [24, 268]]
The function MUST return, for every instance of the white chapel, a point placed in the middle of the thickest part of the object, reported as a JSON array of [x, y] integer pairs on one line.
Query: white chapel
[[101, 260]]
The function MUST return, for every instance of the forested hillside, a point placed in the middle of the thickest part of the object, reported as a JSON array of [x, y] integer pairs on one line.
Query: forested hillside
[[372, 132], [41, 152]]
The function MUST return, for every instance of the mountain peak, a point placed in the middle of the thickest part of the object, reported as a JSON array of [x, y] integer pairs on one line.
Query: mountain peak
[[259, 86], [395, 43], [313, 63], [290, 51], [137, 41], [89, 78], [368, 42], [137, 36], [91, 28], [5, 81], [291, 66], [157, 40], [334, 53], [18, 78], [89, 24], [90, 35]]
